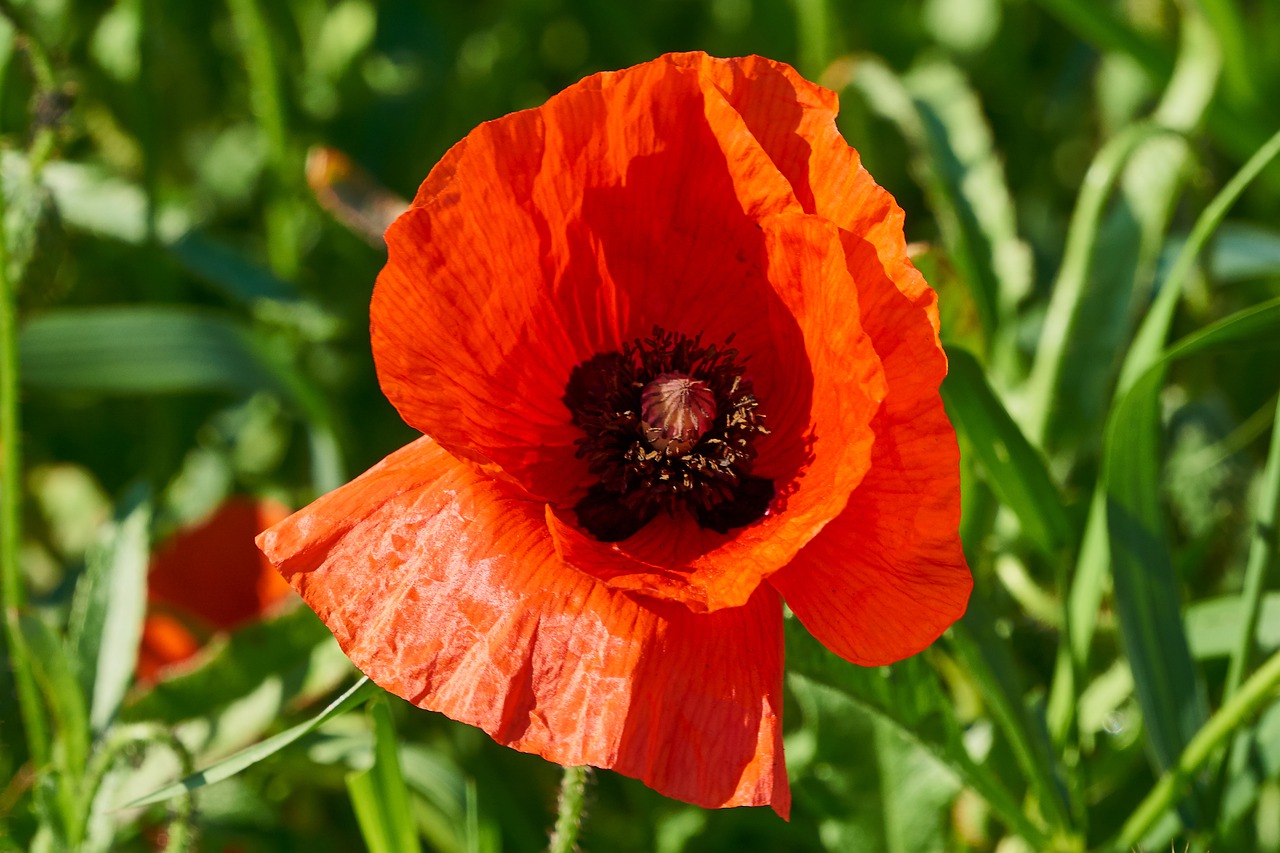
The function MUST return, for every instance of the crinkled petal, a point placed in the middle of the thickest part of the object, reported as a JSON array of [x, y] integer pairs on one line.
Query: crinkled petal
[[817, 452], [548, 236], [887, 576], [443, 587]]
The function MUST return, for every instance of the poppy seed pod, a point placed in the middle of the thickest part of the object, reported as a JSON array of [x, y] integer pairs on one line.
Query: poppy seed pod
[[687, 247]]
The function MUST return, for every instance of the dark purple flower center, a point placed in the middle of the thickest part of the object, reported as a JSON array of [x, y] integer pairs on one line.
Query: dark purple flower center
[[668, 424]]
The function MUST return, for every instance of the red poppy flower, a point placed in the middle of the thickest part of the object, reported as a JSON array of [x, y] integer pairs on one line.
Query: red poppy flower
[[672, 366], [208, 578]]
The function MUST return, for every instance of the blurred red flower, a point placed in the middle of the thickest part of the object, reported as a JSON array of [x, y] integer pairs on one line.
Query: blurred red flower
[[209, 578], [672, 366]]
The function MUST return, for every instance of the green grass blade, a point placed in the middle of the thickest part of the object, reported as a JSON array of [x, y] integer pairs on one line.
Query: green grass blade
[[1166, 681], [1255, 694], [143, 350], [1129, 244], [989, 662], [1073, 280], [1014, 468], [1146, 585], [1149, 342], [379, 795], [955, 161], [1262, 557], [230, 766], [909, 697]]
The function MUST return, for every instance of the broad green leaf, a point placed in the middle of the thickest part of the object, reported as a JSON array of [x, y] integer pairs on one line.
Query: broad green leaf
[[143, 350], [379, 795], [1213, 624], [110, 603], [231, 272], [232, 666], [228, 767], [1146, 586], [89, 198], [1014, 468], [1242, 251]]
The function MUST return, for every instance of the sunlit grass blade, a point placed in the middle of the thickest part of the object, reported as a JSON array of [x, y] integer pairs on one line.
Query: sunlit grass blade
[[954, 159], [228, 767], [989, 662], [379, 795], [139, 350], [1014, 468], [110, 603], [1070, 286], [1149, 342], [1128, 247], [1253, 695], [909, 697], [1167, 684]]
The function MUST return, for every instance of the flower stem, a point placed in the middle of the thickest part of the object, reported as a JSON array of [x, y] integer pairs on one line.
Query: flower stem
[[1248, 700], [12, 589], [573, 795]]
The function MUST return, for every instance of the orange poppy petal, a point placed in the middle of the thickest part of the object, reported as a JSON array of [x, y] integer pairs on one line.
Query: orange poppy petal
[[888, 576], [165, 640], [818, 450], [444, 588], [548, 236], [213, 571]]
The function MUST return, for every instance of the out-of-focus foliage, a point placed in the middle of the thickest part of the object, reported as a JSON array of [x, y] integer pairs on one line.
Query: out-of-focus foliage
[[185, 305]]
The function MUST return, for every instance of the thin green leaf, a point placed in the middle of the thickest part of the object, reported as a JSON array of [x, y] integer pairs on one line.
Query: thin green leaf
[[1261, 561], [908, 696], [107, 613], [228, 767], [1072, 283], [955, 161], [1149, 342], [1254, 695], [1014, 468], [151, 350], [1168, 687], [989, 662], [379, 795], [61, 689], [1129, 243]]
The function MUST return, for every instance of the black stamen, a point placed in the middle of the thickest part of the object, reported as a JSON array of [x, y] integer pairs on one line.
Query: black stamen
[[710, 478]]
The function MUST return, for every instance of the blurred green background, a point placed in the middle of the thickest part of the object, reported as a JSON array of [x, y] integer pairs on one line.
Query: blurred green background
[[186, 320]]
